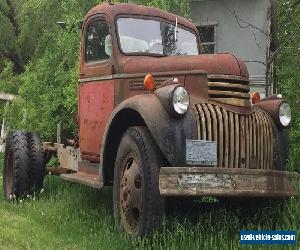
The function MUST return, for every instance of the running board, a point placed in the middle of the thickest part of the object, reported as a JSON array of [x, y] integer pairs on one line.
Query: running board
[[90, 180]]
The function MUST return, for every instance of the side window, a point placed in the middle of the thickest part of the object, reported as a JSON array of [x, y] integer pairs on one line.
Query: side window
[[208, 38], [98, 42]]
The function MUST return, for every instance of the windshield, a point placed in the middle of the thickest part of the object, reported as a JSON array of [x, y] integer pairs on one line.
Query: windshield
[[155, 37]]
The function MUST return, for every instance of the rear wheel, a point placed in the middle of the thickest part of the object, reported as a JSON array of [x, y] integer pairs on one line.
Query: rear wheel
[[16, 182], [137, 201], [37, 162]]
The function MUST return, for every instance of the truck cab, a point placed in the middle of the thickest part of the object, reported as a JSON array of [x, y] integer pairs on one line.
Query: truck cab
[[157, 118]]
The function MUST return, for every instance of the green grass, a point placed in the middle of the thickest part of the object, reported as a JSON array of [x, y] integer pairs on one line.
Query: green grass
[[69, 216]]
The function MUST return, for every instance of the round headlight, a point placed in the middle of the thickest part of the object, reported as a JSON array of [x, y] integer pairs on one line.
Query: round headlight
[[285, 114], [180, 100]]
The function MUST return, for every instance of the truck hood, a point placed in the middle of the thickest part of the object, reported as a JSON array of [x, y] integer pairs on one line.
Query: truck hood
[[219, 64]]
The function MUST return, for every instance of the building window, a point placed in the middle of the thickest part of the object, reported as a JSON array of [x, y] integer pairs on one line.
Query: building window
[[96, 34], [207, 38]]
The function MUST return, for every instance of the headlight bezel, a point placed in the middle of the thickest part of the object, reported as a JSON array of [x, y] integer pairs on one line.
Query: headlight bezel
[[280, 119], [272, 106], [176, 110], [165, 95]]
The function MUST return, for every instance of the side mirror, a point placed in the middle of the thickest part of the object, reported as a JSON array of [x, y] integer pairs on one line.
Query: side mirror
[[108, 45]]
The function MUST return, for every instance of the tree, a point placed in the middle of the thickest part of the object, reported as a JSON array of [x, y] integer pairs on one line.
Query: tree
[[47, 87], [9, 46], [180, 7]]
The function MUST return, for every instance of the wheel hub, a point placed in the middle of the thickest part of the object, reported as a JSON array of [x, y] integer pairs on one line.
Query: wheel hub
[[131, 192], [125, 200]]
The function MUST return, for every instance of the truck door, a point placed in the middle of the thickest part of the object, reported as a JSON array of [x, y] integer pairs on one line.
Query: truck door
[[96, 90]]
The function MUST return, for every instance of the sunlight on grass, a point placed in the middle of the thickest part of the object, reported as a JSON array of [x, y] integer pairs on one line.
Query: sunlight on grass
[[69, 216]]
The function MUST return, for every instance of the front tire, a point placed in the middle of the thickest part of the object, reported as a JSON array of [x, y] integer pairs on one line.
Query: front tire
[[136, 196]]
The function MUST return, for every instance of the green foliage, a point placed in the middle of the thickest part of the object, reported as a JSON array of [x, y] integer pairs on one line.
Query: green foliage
[[49, 83], [175, 6], [10, 46], [9, 81], [287, 70], [7, 41]]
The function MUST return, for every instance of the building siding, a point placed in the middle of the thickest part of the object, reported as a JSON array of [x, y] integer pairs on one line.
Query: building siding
[[241, 29]]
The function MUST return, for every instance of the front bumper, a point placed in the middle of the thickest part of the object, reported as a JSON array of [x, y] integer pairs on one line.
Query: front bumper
[[227, 182]]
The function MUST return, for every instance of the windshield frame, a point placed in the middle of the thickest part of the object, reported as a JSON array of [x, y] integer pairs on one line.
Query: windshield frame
[[155, 18]]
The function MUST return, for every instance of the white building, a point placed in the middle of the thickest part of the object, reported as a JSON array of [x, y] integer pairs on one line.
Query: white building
[[245, 28]]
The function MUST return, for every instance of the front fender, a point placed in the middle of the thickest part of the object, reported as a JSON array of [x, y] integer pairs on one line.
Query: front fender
[[169, 133]]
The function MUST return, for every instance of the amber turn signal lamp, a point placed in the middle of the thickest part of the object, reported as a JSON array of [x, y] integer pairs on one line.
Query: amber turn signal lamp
[[149, 82], [255, 97]]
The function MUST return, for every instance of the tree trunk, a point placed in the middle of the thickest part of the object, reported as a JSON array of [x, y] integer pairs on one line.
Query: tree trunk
[[17, 61], [13, 54], [12, 17]]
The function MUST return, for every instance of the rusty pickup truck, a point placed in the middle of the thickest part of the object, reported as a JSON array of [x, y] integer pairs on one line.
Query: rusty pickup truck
[[156, 118]]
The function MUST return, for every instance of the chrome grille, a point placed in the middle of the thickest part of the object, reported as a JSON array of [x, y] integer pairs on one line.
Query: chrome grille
[[229, 90], [244, 141]]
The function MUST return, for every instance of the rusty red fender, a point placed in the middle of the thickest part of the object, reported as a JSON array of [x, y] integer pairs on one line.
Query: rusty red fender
[[147, 110]]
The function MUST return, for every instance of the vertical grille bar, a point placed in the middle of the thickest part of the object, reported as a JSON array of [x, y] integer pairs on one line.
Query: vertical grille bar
[[222, 146], [215, 133], [259, 140], [232, 142], [214, 122], [251, 156], [202, 122], [271, 144], [237, 140], [264, 141], [226, 137], [196, 111], [208, 122], [255, 141], [242, 142], [247, 120], [268, 145]]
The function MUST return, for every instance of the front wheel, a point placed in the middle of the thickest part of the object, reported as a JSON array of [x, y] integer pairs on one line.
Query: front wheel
[[136, 196]]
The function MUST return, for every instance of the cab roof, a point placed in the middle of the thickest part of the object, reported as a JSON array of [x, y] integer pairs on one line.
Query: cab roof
[[111, 10]]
